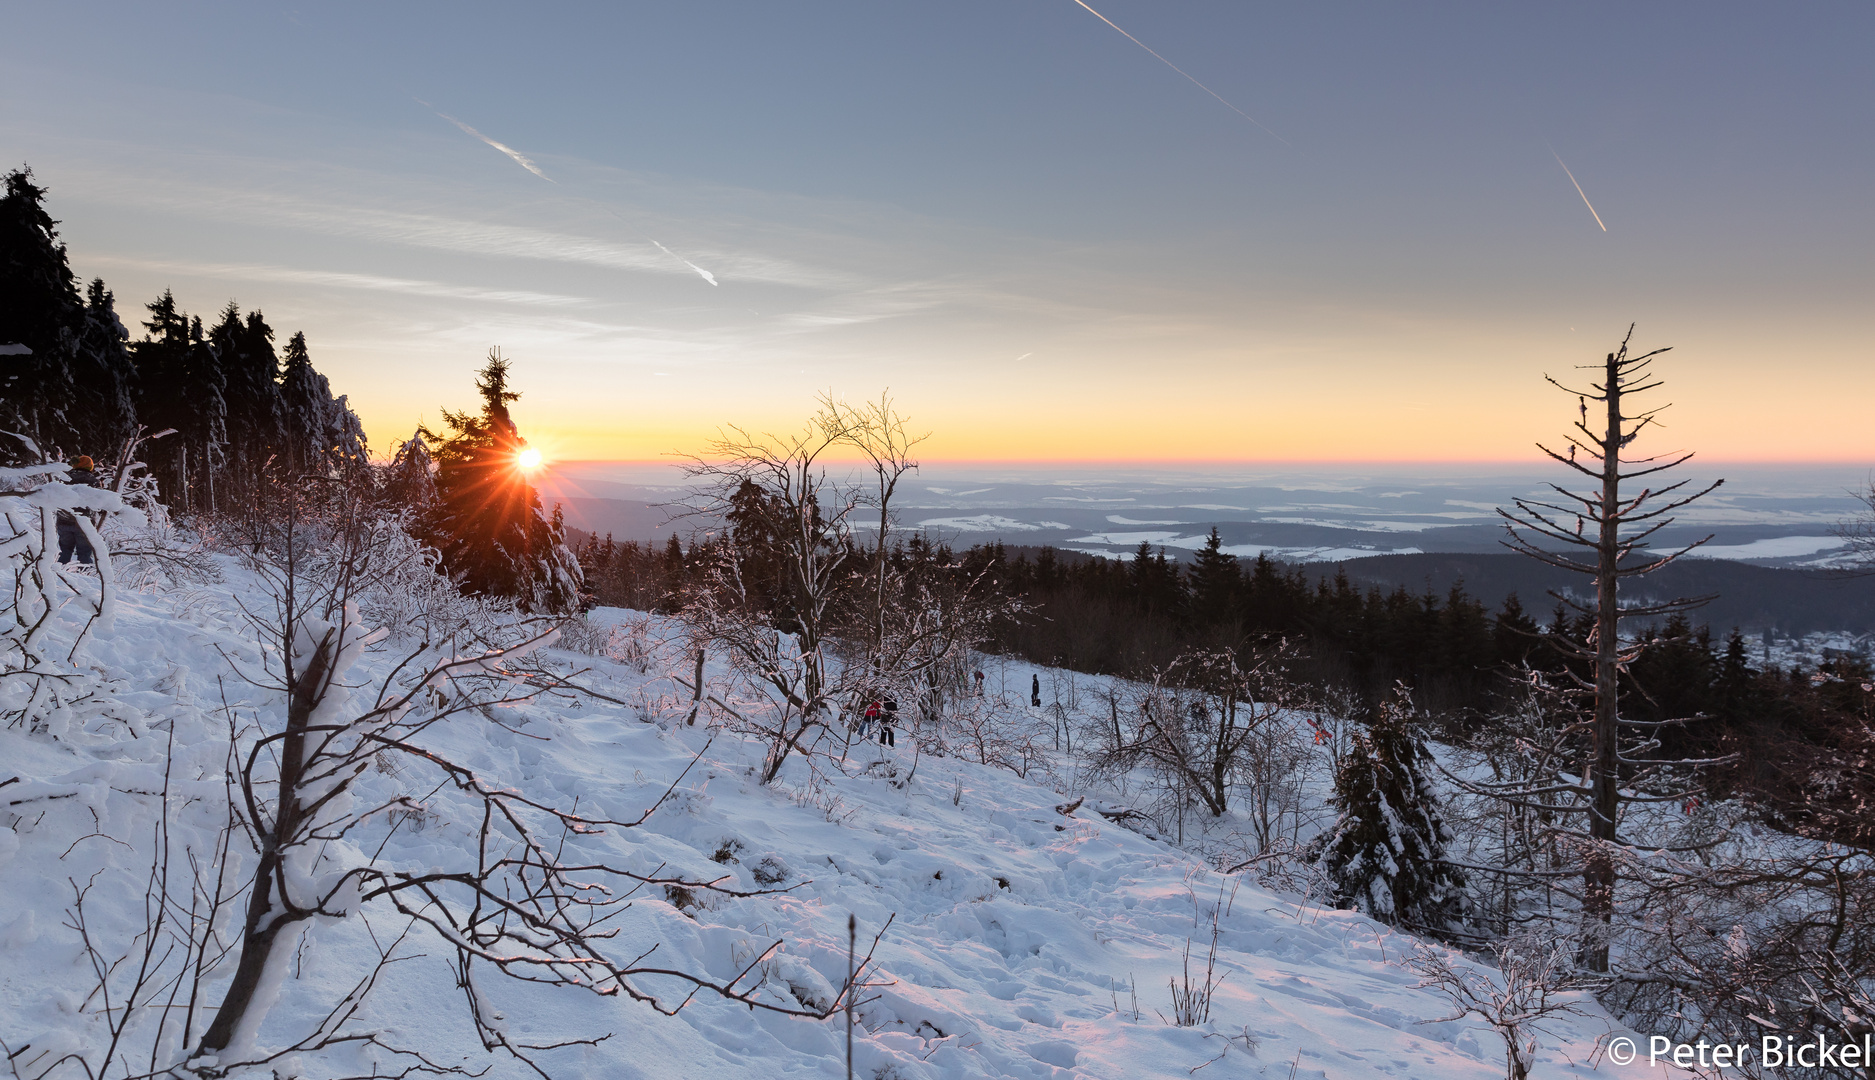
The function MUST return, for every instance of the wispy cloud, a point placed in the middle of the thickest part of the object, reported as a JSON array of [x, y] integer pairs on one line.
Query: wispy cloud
[[520, 159], [257, 206], [344, 280], [871, 305]]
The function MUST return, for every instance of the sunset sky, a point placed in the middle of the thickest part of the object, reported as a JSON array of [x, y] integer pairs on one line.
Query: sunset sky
[[1047, 243]]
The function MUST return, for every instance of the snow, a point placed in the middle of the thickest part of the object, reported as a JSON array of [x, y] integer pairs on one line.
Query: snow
[[1123, 539], [1778, 547], [1246, 551], [1118, 520], [1022, 942], [987, 523]]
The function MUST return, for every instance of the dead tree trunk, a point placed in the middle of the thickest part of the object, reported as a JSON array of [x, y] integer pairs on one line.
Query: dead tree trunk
[[1604, 771], [1621, 528], [269, 909]]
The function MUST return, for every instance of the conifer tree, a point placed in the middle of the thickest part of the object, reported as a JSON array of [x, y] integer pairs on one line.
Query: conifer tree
[[104, 381], [1215, 583], [40, 319], [305, 415], [180, 386], [1736, 689], [488, 523], [408, 482], [1385, 855], [256, 411], [1155, 582], [350, 453], [672, 569], [322, 435]]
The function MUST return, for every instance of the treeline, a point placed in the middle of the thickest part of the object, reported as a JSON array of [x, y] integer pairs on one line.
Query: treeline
[[643, 577], [1131, 617], [1798, 742], [77, 384], [1464, 665]]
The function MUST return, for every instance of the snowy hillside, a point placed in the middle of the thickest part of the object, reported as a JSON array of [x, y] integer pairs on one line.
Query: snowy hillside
[[1022, 941]]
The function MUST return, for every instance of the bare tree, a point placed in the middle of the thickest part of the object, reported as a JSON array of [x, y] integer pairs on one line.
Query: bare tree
[[878, 432], [1602, 533], [1538, 983], [789, 530], [790, 597], [1770, 939], [1202, 719]]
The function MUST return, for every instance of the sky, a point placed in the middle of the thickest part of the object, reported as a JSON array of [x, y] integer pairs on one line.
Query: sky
[[1355, 241]]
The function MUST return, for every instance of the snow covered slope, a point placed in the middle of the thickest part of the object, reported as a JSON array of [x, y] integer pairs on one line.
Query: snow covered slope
[[1022, 942]]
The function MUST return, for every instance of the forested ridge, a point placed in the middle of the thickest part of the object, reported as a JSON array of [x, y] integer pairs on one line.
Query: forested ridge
[[1463, 663]]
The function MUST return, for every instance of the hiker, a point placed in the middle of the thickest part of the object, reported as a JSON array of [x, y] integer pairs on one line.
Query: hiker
[[71, 537], [1035, 691], [979, 683], [866, 721], [887, 720]]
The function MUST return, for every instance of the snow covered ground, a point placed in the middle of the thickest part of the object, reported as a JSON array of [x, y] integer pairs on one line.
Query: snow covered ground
[[1023, 942]]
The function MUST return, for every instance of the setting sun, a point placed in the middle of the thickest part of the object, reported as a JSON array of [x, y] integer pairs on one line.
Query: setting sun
[[528, 458]]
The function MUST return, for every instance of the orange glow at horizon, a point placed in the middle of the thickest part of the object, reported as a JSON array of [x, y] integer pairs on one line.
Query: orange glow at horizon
[[1479, 398]]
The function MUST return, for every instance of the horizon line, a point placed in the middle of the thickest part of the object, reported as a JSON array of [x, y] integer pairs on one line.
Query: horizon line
[[1865, 463]]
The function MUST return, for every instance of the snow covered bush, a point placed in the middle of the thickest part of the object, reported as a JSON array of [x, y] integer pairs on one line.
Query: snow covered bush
[[34, 500], [1754, 935], [1536, 981], [990, 733], [629, 642]]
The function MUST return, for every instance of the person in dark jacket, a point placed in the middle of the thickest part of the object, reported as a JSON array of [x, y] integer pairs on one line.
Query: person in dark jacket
[[886, 722], [1035, 691], [71, 537]]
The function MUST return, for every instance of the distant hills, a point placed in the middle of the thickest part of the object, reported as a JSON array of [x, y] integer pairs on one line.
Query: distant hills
[[1753, 597], [1420, 527]]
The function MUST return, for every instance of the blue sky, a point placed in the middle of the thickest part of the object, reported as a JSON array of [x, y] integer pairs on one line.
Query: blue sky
[[1044, 241]]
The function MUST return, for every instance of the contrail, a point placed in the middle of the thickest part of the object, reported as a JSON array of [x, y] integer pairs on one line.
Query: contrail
[[519, 158], [1579, 191], [702, 273], [1181, 71], [527, 163]]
